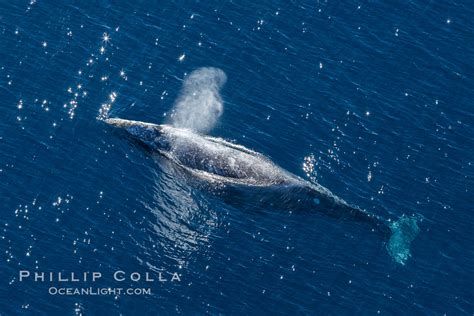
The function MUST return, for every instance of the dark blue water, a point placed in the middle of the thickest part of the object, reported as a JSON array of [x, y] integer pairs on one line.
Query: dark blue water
[[372, 100]]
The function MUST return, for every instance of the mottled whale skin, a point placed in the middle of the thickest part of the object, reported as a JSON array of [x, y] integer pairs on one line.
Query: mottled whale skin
[[214, 159], [209, 156]]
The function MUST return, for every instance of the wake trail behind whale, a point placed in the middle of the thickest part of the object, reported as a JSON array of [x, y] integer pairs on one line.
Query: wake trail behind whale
[[199, 105]]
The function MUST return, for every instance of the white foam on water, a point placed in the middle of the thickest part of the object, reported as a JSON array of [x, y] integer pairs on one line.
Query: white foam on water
[[199, 105]]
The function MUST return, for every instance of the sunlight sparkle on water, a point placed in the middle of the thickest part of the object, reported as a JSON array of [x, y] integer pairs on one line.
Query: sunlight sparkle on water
[[309, 165], [123, 74], [105, 108], [105, 37]]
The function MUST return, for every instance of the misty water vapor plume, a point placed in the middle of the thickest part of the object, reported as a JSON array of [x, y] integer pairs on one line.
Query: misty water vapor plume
[[199, 104]]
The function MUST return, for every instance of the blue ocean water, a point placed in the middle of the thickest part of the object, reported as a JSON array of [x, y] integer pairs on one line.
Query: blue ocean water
[[373, 100]]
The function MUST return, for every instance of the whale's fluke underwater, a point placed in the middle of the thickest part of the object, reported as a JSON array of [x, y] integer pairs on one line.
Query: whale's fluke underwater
[[214, 159]]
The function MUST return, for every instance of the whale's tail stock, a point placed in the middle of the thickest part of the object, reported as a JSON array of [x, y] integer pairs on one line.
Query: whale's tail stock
[[399, 233]]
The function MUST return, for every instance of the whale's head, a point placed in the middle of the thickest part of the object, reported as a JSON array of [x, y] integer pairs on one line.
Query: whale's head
[[148, 135]]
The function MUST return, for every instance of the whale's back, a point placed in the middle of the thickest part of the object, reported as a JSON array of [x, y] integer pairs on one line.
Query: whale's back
[[217, 158]]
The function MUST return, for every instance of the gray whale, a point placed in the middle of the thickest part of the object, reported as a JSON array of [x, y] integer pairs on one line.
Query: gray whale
[[215, 159]]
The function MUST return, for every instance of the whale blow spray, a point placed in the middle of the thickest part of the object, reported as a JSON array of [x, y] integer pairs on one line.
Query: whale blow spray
[[199, 104]]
